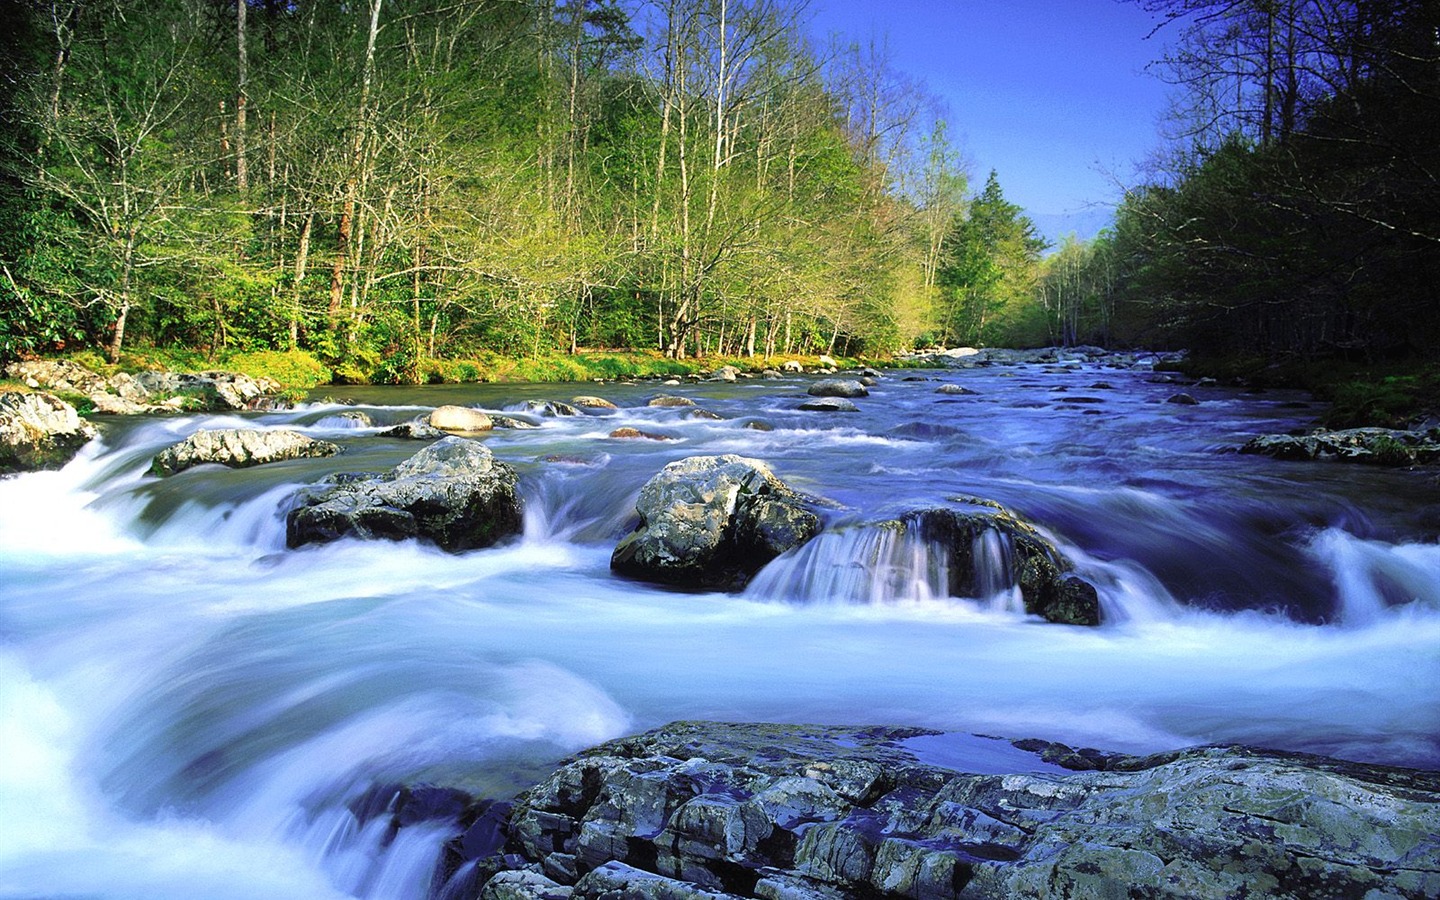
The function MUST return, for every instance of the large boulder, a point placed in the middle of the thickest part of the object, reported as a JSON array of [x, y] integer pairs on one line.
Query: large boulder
[[239, 448], [39, 431], [705, 811], [713, 521], [1043, 575], [838, 387], [453, 493], [1376, 446]]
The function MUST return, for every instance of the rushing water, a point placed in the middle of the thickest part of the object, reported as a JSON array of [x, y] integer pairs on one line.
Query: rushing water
[[188, 709]]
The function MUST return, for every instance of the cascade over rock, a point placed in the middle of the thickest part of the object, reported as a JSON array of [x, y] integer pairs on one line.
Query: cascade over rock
[[1040, 571], [453, 493], [712, 521], [704, 811], [239, 448], [39, 431]]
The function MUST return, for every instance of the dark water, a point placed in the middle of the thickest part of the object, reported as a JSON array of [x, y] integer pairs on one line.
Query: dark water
[[186, 707]]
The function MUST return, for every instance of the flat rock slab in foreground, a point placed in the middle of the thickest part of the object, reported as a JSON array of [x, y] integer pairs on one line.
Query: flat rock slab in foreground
[[239, 448], [702, 811], [453, 493]]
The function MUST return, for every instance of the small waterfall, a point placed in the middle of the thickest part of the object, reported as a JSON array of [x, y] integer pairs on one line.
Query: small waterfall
[[1371, 577], [994, 573], [876, 564]]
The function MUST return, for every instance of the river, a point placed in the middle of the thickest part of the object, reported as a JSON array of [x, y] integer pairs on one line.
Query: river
[[189, 709]]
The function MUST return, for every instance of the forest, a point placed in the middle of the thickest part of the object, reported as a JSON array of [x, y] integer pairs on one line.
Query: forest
[[403, 190]]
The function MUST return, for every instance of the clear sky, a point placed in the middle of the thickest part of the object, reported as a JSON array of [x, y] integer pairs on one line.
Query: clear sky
[[1049, 93]]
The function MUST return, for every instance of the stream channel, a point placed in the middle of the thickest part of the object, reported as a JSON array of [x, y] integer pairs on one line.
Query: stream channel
[[189, 709]]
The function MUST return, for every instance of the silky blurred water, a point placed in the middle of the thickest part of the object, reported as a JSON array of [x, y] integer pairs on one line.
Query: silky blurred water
[[188, 709]]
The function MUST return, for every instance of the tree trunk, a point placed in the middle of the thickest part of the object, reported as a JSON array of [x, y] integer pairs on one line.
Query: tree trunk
[[302, 256], [242, 173]]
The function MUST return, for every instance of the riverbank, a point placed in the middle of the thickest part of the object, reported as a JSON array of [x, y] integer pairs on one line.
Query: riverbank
[[297, 371]]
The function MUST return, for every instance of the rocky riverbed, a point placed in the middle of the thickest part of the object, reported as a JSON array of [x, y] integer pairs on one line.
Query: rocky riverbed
[[712, 811]]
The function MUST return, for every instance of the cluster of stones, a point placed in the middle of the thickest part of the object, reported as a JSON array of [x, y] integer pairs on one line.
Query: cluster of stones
[[1373, 446], [149, 392], [709, 811]]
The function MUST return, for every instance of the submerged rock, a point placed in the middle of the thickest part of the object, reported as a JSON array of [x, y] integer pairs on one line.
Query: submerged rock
[[1376, 446], [1036, 567], [39, 431], [712, 521], [703, 811], [239, 448], [453, 493], [628, 433], [550, 408], [670, 400], [829, 404]]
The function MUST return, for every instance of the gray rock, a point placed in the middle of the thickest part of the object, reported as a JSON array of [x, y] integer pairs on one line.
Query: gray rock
[[586, 402], [523, 885], [696, 811], [459, 419], [670, 400], [725, 373], [829, 404], [712, 521], [1375, 446], [792, 366], [151, 392], [417, 430], [511, 422], [1182, 399], [453, 493], [838, 387], [550, 408], [238, 448], [957, 389], [39, 431]]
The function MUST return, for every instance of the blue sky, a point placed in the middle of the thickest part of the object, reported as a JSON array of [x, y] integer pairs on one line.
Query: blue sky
[[1049, 93]]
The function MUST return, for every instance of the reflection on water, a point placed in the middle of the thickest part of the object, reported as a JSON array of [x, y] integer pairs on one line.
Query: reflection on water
[[188, 709]]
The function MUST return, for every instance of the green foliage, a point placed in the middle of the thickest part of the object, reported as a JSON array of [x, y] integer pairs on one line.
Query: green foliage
[[988, 273], [293, 368]]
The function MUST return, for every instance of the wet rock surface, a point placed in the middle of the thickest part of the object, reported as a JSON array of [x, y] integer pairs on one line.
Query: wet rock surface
[[700, 811], [39, 431], [1373, 446], [712, 521], [838, 387], [239, 448], [1036, 567], [453, 493]]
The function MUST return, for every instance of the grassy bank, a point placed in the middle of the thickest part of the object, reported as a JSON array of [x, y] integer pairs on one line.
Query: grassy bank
[[1388, 394], [299, 370]]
